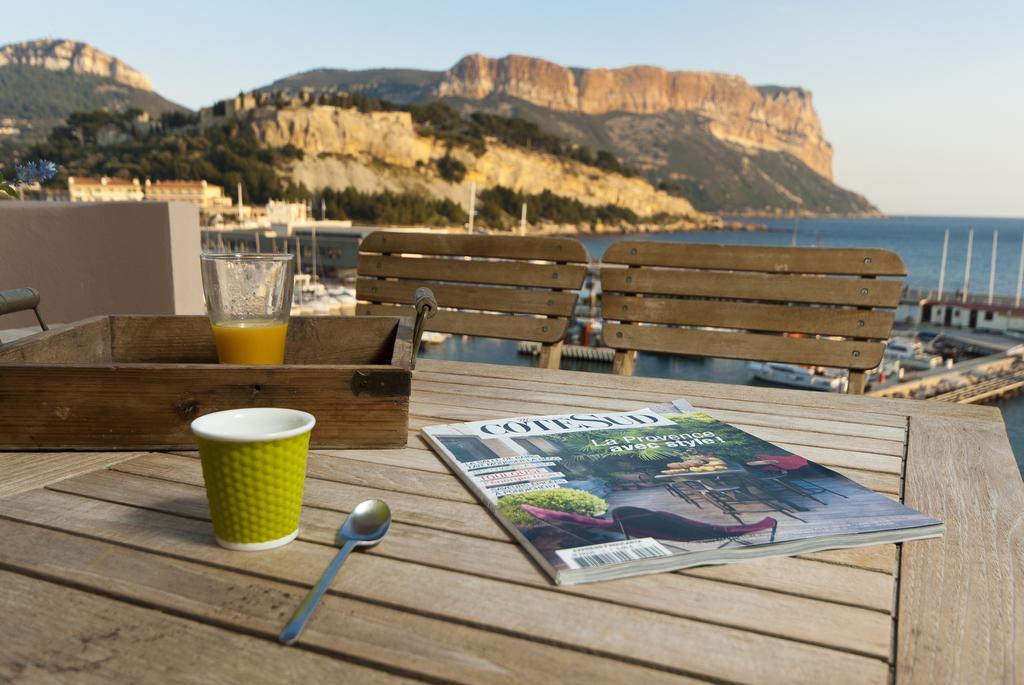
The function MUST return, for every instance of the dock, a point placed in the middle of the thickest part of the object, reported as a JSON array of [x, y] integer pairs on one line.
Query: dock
[[591, 354], [993, 389], [985, 379]]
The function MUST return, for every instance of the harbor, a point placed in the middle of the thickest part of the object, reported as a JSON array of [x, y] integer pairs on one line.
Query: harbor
[[955, 331]]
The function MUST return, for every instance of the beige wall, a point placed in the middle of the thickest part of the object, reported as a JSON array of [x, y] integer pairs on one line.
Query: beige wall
[[101, 258]]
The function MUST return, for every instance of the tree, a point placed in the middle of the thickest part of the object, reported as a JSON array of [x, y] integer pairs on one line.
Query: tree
[[451, 169]]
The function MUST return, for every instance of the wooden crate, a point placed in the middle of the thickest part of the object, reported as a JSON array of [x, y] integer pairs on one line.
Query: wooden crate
[[136, 382]]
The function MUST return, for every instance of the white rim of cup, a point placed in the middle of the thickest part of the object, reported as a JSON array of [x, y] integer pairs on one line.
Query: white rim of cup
[[251, 425]]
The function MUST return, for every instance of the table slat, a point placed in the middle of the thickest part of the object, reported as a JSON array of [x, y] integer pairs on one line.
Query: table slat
[[474, 520], [515, 406], [422, 414], [529, 613], [563, 393], [700, 389], [56, 634], [962, 596], [29, 470], [341, 627], [740, 605]]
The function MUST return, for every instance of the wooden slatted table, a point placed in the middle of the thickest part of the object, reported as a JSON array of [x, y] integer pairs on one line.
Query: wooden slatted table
[[108, 571]]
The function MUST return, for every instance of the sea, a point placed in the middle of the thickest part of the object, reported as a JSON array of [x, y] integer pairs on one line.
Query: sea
[[918, 240]]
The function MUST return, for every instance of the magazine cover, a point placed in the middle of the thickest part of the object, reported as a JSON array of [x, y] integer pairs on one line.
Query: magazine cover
[[597, 496]]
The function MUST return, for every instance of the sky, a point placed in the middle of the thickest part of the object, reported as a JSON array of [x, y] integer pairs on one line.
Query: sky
[[923, 102]]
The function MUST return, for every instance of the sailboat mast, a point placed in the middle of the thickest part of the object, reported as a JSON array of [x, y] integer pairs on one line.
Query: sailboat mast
[[992, 268], [942, 270], [967, 266], [314, 254], [1020, 272]]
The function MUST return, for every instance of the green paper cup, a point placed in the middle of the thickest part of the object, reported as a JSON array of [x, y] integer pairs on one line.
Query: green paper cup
[[254, 467]]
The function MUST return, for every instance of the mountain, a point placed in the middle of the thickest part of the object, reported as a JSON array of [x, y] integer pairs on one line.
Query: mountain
[[712, 138], [42, 81], [378, 151]]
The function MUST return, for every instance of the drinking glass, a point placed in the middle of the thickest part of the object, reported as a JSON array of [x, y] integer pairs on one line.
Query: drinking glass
[[249, 299]]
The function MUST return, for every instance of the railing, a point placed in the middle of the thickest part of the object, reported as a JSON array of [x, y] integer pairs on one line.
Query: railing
[[915, 295]]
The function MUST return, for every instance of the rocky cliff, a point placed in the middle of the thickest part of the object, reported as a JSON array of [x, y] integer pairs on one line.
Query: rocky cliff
[[43, 81], [74, 57], [768, 118], [383, 151]]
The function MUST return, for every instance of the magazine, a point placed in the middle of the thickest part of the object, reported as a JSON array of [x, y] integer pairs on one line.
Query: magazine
[[601, 496]]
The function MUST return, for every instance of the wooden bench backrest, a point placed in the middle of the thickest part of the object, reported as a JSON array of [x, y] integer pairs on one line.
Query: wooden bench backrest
[[799, 305], [512, 287]]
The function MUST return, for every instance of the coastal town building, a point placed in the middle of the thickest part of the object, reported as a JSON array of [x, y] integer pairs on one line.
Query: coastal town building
[[978, 316], [104, 189], [206, 196]]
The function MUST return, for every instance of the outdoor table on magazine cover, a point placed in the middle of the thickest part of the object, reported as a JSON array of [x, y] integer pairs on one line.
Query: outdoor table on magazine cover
[[109, 571]]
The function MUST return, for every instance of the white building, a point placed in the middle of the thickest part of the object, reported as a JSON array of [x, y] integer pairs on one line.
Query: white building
[[996, 318]]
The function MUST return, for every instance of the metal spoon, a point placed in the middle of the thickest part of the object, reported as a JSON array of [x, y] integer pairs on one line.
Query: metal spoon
[[364, 527]]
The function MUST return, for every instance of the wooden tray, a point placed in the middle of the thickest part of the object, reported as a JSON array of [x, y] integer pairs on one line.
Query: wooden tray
[[136, 382]]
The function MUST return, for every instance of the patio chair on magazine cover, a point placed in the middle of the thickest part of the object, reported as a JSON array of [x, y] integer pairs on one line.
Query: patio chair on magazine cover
[[637, 522]]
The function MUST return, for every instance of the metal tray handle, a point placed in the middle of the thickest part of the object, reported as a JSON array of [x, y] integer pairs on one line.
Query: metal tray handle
[[426, 307], [20, 299]]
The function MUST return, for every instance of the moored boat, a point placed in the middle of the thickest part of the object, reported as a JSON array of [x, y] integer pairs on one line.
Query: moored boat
[[794, 376]]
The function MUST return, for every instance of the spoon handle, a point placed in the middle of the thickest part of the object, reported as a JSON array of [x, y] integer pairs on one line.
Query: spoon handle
[[291, 632]]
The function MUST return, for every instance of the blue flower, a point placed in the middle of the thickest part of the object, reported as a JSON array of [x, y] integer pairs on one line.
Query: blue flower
[[36, 172]]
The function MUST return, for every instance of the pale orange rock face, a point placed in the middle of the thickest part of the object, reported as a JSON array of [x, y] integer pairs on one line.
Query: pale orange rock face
[[73, 56], [781, 119]]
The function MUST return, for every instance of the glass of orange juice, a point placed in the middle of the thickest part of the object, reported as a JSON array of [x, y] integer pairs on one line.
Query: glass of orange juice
[[249, 299]]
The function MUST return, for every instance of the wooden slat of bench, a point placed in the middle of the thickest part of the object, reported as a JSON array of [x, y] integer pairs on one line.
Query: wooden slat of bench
[[560, 276], [844, 354], [745, 315], [484, 298], [961, 598], [800, 260], [508, 327], [507, 247], [342, 626], [54, 633], [738, 605], [859, 292], [543, 614], [573, 394]]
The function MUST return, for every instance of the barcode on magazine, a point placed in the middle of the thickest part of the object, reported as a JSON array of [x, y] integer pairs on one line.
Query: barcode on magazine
[[621, 552]]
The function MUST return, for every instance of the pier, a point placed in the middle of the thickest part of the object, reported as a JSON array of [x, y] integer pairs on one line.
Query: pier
[[591, 354], [985, 379], [997, 388]]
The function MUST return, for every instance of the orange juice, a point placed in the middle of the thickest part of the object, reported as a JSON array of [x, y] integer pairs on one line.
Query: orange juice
[[250, 342]]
